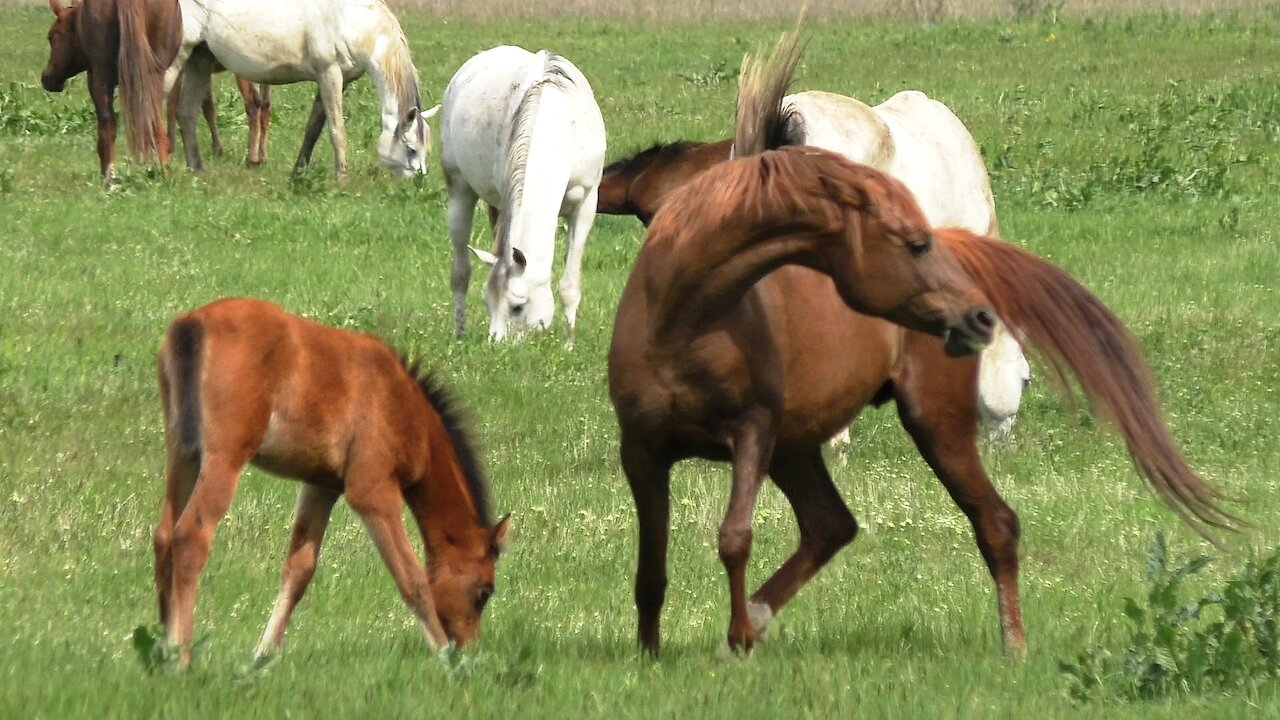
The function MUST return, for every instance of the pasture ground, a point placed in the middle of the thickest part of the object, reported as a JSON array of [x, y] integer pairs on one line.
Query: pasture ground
[[1141, 154]]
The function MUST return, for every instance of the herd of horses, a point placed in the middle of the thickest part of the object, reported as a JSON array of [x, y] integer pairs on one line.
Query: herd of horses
[[827, 257]]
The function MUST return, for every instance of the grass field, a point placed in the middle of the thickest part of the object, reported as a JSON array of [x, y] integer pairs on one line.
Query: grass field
[[1140, 153]]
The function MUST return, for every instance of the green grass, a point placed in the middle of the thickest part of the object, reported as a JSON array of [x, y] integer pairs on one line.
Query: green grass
[[1140, 154]]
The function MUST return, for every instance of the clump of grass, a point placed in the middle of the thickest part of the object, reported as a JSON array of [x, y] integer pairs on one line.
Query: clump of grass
[[1223, 640]]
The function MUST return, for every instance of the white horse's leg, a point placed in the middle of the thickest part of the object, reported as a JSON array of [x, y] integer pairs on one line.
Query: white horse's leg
[[462, 209], [330, 86], [195, 85], [580, 222]]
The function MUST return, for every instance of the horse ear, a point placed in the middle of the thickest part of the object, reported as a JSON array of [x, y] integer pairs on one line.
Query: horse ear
[[518, 258], [428, 114], [56, 6], [485, 256], [498, 533]]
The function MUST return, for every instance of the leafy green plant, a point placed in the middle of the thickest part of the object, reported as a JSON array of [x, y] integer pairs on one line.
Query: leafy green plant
[[1223, 640]]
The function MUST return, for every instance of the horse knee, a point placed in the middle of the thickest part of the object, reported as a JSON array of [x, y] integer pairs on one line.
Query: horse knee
[[735, 545], [651, 592]]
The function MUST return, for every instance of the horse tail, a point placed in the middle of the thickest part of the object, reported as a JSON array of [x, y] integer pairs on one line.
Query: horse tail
[[180, 365], [762, 123], [1073, 330], [141, 76]]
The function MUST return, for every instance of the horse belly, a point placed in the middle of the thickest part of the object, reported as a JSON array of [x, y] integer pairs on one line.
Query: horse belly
[[289, 450]]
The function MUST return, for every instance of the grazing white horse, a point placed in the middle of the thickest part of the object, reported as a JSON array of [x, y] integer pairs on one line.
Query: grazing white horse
[[922, 143], [521, 131], [330, 42]]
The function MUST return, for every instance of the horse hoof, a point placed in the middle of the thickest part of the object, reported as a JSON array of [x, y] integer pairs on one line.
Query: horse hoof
[[760, 615]]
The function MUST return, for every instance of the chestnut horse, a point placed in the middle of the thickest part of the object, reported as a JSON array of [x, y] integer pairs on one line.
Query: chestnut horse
[[257, 112], [776, 295], [241, 382], [124, 42]]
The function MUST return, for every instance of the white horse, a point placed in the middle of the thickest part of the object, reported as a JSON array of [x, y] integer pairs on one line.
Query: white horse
[[330, 42], [922, 143], [521, 131]]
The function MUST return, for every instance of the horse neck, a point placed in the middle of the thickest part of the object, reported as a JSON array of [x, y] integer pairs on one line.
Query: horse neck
[[391, 67], [451, 505]]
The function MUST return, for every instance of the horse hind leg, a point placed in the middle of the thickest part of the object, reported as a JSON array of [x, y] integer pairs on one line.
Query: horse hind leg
[[461, 216], [943, 425], [210, 112], [311, 518], [650, 480], [310, 135], [331, 85], [102, 91], [825, 523], [195, 86], [183, 466]]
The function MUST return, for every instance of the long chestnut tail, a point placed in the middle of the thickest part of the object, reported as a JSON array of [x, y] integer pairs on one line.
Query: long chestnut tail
[[141, 82], [1072, 329]]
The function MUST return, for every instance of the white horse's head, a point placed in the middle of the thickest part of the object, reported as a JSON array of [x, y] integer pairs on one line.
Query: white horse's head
[[405, 149], [516, 303]]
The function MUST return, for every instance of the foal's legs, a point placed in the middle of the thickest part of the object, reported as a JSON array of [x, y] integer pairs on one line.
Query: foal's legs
[[650, 480], [461, 213], [825, 526], [310, 520], [378, 505], [942, 420], [752, 448], [571, 282]]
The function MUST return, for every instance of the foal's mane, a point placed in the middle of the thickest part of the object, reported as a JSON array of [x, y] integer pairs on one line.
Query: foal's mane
[[459, 432], [555, 74]]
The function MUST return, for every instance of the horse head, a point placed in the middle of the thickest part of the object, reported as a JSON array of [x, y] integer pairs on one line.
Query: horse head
[[405, 150], [515, 303], [893, 269], [66, 57], [461, 571]]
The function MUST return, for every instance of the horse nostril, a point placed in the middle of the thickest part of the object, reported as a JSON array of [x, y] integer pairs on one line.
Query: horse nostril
[[983, 322]]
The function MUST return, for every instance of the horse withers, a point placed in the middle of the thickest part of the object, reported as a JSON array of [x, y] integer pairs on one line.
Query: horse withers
[[777, 295], [523, 132], [128, 43], [241, 382]]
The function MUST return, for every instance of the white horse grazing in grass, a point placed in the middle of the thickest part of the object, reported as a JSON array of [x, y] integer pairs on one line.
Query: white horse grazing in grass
[[521, 131], [922, 143], [330, 42]]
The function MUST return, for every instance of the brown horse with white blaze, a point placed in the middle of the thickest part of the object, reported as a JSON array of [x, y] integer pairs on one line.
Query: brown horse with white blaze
[[242, 382], [129, 43], [777, 295]]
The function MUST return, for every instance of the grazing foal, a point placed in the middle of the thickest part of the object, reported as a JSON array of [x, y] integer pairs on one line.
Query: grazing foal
[[244, 382]]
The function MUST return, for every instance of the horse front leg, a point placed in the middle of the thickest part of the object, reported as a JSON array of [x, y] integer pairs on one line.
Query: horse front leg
[[253, 114], [752, 447], [210, 113], [330, 89], [580, 222], [102, 91], [315, 504], [825, 526], [461, 215], [650, 480]]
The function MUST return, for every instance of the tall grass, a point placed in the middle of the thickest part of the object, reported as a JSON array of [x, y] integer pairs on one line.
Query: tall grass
[[1139, 153]]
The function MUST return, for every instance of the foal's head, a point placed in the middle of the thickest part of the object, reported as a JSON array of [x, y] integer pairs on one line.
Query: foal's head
[[461, 569], [893, 268], [66, 57], [405, 150]]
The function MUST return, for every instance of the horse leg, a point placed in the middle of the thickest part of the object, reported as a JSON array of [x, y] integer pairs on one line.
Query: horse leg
[[262, 96], [252, 113], [211, 119], [650, 480], [825, 526], [752, 447], [171, 112], [942, 419], [102, 91], [310, 520], [192, 536], [571, 282], [195, 85], [180, 478], [461, 213], [315, 123], [378, 505], [331, 85]]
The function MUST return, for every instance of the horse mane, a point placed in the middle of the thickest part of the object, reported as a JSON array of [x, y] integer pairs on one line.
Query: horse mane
[[659, 150], [555, 73], [460, 436], [401, 76], [1071, 328]]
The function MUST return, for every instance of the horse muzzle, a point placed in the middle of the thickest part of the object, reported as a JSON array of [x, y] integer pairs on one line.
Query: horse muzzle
[[52, 84], [971, 334]]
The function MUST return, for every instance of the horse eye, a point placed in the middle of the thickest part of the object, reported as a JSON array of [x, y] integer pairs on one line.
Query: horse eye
[[919, 245]]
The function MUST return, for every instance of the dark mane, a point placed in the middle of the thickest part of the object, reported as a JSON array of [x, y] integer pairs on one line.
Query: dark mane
[[659, 150], [459, 430]]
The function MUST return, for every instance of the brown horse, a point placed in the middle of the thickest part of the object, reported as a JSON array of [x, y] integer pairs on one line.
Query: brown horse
[[638, 185], [124, 42], [257, 112], [243, 382], [777, 295]]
